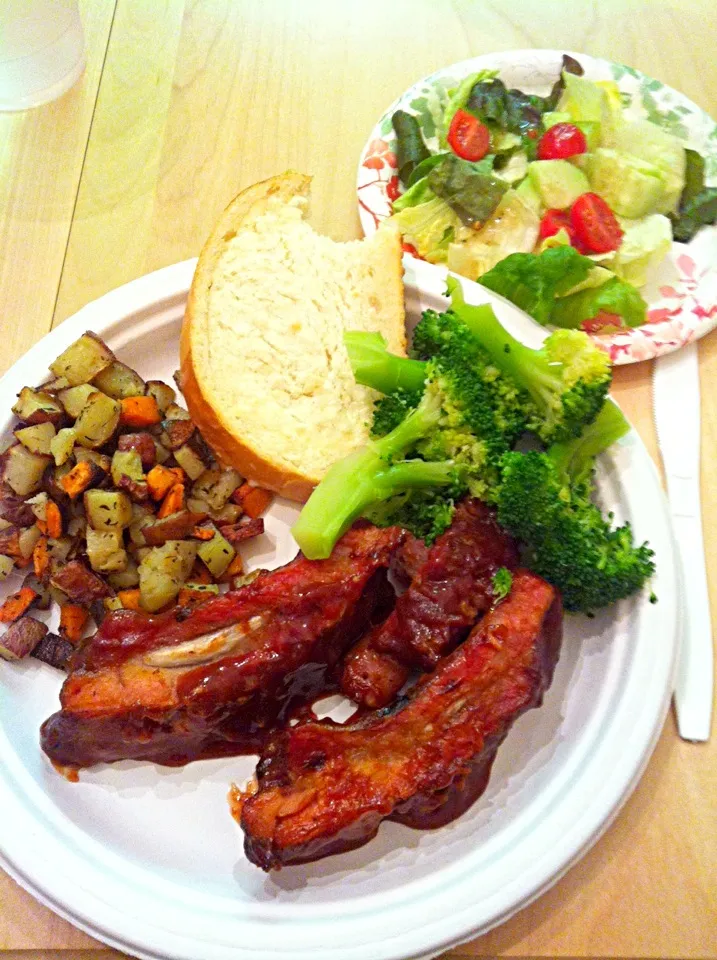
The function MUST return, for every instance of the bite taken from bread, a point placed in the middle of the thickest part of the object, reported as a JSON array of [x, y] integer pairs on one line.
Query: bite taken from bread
[[264, 369]]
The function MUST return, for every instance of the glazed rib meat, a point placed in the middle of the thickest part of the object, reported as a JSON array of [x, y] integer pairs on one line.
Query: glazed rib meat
[[450, 589], [324, 788], [174, 689]]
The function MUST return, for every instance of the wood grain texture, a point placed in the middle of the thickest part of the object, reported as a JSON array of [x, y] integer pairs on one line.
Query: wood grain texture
[[41, 156], [199, 99]]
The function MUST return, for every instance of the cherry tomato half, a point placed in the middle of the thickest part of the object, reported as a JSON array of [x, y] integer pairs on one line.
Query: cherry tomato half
[[467, 137], [595, 225], [603, 322], [552, 222], [561, 141]]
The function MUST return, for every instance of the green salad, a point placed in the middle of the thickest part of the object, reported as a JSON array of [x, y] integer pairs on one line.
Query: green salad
[[562, 204]]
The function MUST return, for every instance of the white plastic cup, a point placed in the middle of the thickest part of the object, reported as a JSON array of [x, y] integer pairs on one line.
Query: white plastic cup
[[42, 51]]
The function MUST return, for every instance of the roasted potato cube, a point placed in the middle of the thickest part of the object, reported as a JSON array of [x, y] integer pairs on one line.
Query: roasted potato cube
[[108, 509], [127, 578], [55, 385], [175, 526], [74, 399], [98, 420], [119, 381], [62, 445], [105, 550], [53, 650], [127, 463], [37, 438], [23, 471], [175, 433], [27, 540], [79, 583], [161, 454], [10, 542], [43, 599], [112, 603], [163, 571], [101, 459], [16, 509], [216, 554], [21, 638], [38, 505], [37, 406], [216, 486], [162, 393], [143, 443], [6, 567], [60, 549], [175, 412], [83, 359], [190, 462]]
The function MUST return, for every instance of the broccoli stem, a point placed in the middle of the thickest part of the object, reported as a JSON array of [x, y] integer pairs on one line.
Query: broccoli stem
[[368, 476], [375, 366], [575, 459], [528, 368]]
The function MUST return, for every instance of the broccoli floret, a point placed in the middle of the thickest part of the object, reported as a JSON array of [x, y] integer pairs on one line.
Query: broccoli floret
[[390, 410], [567, 378], [426, 513], [544, 500], [374, 366], [466, 419]]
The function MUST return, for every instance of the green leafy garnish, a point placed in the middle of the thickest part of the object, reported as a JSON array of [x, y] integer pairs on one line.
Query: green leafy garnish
[[502, 582]]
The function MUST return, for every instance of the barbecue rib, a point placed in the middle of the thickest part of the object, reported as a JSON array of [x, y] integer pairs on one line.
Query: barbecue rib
[[324, 788], [451, 588], [173, 690]]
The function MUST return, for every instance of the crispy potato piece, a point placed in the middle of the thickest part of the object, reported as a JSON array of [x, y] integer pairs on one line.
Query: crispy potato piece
[[175, 433], [23, 471], [37, 438], [101, 459], [79, 583], [119, 381], [216, 553], [6, 567], [74, 399], [21, 638], [53, 650], [37, 406], [163, 571], [16, 509], [62, 445], [83, 359], [245, 529], [175, 526], [216, 486], [105, 550], [98, 420], [143, 443], [127, 578], [162, 393], [175, 412], [27, 541], [107, 509], [190, 462], [194, 594]]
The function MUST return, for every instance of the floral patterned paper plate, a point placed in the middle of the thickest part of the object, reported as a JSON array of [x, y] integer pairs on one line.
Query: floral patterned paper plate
[[682, 297]]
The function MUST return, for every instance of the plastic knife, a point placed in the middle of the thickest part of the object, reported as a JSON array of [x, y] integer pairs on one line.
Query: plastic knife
[[676, 407]]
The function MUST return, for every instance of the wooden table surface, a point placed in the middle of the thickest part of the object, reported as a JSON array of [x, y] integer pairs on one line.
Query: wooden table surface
[[184, 103]]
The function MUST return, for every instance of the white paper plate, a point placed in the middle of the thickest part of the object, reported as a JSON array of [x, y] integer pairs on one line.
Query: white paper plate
[[682, 293], [148, 859]]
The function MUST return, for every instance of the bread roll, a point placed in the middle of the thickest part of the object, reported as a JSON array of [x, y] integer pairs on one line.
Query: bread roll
[[264, 370]]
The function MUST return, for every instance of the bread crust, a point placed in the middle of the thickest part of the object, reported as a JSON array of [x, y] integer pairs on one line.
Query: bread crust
[[228, 448]]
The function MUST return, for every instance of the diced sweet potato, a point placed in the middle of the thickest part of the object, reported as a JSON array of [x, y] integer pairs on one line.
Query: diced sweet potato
[[73, 620], [253, 500], [160, 480], [17, 604], [131, 599], [139, 412], [82, 476], [173, 501], [41, 559], [21, 638]]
